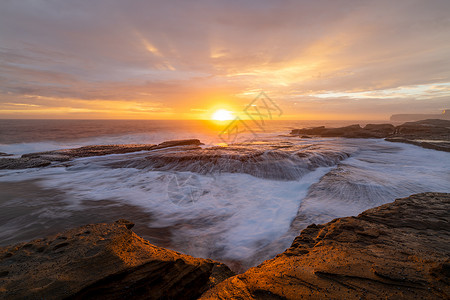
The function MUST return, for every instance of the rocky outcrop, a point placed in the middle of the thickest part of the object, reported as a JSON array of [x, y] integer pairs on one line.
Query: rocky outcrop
[[435, 145], [432, 134], [425, 129], [86, 151], [176, 143], [352, 131], [271, 160], [399, 250], [23, 163], [103, 261], [41, 159]]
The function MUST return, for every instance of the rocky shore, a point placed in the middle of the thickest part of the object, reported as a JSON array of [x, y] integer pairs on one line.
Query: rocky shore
[[42, 159], [431, 134], [399, 250], [103, 261]]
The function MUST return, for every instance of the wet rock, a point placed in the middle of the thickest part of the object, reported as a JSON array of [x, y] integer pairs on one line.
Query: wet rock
[[191, 142], [425, 129], [23, 163], [5, 154], [431, 134], [279, 161], [435, 145], [103, 261], [381, 129], [352, 131], [41, 159], [313, 130], [86, 151], [399, 250]]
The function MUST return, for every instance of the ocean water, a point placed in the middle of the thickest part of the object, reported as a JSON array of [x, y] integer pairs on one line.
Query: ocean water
[[239, 213]]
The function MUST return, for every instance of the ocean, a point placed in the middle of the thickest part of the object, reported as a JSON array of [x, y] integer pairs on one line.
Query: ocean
[[240, 214]]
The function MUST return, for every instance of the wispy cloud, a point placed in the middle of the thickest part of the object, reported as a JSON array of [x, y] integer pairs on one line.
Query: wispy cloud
[[186, 56]]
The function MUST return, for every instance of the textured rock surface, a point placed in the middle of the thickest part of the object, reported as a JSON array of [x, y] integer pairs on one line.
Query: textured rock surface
[[103, 261], [42, 159], [430, 144], [352, 131], [272, 160], [399, 250], [23, 163], [96, 150], [431, 134]]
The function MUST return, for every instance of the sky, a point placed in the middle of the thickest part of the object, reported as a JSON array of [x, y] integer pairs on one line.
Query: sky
[[136, 59]]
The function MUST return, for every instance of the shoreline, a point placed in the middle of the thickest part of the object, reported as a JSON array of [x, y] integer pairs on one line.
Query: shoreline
[[399, 249], [315, 246], [430, 134]]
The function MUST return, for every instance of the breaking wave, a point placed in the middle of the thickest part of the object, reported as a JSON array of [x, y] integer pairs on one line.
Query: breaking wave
[[240, 204]]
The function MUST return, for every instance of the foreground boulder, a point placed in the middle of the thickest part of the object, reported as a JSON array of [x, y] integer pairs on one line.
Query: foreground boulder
[[103, 261], [399, 250]]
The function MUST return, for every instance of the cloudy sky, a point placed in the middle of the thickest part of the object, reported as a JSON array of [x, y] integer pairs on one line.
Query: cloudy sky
[[338, 59]]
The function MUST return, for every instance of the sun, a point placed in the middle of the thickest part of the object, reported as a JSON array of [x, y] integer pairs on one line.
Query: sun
[[222, 115]]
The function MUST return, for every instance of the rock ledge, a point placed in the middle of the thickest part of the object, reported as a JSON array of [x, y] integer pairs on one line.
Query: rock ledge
[[400, 250], [103, 261]]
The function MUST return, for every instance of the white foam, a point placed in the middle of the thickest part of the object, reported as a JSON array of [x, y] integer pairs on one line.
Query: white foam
[[236, 213], [234, 216]]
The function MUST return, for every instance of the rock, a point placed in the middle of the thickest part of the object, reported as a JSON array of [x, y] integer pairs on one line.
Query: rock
[[41, 159], [192, 142], [5, 154], [276, 160], [382, 129], [425, 129], [435, 145], [431, 134], [86, 151], [313, 130], [399, 250], [23, 163], [103, 261], [352, 131], [345, 131]]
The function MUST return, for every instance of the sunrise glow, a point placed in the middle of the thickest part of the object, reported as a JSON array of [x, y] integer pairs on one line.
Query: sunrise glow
[[222, 115]]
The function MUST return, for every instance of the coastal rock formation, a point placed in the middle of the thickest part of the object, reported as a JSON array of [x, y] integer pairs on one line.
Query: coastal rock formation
[[399, 250], [103, 261], [279, 160], [86, 151], [432, 134], [22, 163], [352, 131], [426, 129], [41, 159], [430, 144]]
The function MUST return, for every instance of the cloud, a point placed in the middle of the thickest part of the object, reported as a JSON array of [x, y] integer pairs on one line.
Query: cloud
[[188, 54]]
